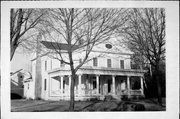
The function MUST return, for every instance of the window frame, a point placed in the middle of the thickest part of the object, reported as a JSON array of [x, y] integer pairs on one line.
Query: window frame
[[62, 64], [95, 61], [45, 84], [45, 66], [122, 64], [109, 63], [94, 84]]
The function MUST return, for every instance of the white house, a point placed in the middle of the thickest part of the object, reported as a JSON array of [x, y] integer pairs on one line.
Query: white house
[[107, 72]]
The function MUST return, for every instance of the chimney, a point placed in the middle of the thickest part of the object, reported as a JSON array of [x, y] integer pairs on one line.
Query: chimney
[[38, 76]]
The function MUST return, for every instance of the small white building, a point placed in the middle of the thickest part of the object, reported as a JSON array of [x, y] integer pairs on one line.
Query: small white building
[[18, 82], [107, 72]]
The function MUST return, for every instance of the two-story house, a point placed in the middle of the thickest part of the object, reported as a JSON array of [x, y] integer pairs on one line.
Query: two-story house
[[106, 72]]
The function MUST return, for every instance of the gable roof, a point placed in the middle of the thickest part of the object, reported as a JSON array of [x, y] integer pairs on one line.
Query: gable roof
[[58, 46]]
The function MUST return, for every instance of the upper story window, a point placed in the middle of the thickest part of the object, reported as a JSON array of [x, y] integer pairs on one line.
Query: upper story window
[[122, 64], [95, 62], [62, 63], [80, 61], [80, 41], [45, 66], [51, 64], [108, 62], [108, 46]]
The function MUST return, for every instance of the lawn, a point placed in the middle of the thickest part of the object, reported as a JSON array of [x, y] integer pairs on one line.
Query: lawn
[[43, 106], [61, 106]]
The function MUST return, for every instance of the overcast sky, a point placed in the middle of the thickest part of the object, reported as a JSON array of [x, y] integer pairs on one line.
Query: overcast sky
[[21, 61]]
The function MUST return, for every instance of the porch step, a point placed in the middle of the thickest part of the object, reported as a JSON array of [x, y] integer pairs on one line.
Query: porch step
[[110, 97], [117, 97]]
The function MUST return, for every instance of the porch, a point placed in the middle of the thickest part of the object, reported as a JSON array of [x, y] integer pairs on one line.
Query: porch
[[89, 84]]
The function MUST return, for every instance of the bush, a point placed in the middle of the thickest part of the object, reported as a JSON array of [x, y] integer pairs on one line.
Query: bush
[[108, 98], [139, 107], [15, 96]]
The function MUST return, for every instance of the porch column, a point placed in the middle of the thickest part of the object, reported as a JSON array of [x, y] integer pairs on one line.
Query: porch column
[[142, 88], [69, 84], [79, 85], [49, 90], [97, 83], [61, 78], [113, 84], [128, 85]]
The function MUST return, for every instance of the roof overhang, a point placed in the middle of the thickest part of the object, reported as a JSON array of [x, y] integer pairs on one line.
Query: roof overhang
[[59, 46], [99, 71]]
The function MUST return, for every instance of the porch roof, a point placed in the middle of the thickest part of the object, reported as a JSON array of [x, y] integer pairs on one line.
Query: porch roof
[[99, 71]]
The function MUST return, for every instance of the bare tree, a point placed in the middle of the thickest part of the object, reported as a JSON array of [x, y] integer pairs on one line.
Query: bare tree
[[145, 35], [80, 30], [22, 21]]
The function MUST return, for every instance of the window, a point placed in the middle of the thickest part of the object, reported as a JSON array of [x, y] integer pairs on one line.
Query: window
[[44, 84], [45, 67], [135, 83], [94, 84], [122, 64], [64, 84], [108, 46], [95, 62], [51, 64], [62, 63], [80, 61], [108, 62], [80, 41]]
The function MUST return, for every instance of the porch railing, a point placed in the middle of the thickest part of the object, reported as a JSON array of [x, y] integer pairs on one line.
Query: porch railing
[[135, 92], [91, 92], [83, 92]]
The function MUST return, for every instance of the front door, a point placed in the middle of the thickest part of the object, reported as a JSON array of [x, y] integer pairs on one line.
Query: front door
[[109, 85]]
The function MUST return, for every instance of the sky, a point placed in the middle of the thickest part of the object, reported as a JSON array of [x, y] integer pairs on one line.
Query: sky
[[21, 61]]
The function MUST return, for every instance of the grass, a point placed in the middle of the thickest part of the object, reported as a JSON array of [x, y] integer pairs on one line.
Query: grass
[[62, 106], [43, 106]]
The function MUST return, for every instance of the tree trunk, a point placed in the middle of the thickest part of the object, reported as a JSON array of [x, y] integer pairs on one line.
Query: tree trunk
[[73, 76], [14, 46], [13, 49], [159, 96]]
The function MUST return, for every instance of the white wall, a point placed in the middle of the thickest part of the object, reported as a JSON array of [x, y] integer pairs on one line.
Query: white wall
[[115, 60], [102, 61], [100, 52], [30, 93]]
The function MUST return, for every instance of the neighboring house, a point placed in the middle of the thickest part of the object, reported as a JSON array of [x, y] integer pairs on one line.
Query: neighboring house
[[28, 83], [17, 83], [107, 72]]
